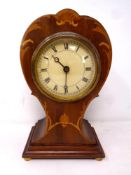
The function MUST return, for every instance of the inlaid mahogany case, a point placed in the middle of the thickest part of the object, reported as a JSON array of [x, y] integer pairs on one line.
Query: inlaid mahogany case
[[64, 133]]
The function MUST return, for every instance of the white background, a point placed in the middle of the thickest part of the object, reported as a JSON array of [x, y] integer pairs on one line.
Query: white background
[[110, 114]]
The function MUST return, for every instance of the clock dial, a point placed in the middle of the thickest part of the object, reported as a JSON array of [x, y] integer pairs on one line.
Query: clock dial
[[65, 68]]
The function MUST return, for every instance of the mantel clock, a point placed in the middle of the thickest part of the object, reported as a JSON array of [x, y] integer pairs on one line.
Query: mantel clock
[[65, 59]]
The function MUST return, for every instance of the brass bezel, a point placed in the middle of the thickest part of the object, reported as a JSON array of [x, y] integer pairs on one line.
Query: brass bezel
[[80, 38]]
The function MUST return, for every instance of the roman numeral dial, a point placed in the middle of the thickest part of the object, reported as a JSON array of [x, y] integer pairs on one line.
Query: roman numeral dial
[[54, 48], [65, 68], [44, 70], [88, 68], [55, 88], [66, 46], [85, 79], [47, 80]]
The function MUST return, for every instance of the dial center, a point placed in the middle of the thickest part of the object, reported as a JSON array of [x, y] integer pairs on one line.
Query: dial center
[[66, 69]]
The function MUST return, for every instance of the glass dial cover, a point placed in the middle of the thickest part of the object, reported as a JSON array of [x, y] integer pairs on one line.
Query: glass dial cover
[[65, 66]]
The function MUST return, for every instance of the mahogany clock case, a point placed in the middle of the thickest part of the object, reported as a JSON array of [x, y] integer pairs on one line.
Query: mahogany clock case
[[63, 133]]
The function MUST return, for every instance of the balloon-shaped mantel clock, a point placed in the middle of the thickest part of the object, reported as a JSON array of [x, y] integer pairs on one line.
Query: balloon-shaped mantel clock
[[65, 59]]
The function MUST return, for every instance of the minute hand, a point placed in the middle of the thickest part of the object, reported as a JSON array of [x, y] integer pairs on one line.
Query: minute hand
[[66, 87]]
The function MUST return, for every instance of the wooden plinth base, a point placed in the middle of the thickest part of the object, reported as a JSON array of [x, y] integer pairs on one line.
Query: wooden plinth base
[[40, 151]]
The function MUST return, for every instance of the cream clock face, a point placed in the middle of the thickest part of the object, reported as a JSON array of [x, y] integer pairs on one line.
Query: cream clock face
[[65, 67]]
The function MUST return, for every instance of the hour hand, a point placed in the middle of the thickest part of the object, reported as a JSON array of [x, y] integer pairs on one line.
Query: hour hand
[[57, 60]]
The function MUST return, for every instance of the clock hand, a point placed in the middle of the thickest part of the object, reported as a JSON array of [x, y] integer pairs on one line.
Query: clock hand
[[57, 60], [66, 69], [65, 86]]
